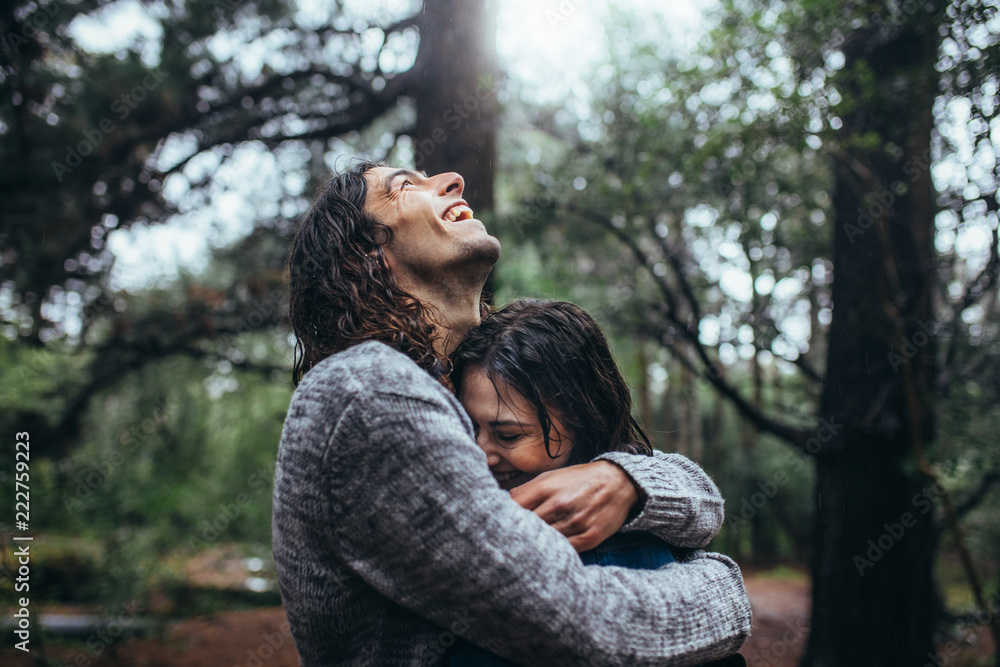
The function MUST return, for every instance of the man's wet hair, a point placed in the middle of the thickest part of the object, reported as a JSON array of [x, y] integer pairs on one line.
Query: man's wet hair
[[342, 290]]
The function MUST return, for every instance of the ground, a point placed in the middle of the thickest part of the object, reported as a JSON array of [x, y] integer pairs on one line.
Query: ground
[[780, 601]]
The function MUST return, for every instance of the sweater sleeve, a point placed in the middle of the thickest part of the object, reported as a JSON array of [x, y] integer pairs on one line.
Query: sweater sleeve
[[682, 505], [422, 521]]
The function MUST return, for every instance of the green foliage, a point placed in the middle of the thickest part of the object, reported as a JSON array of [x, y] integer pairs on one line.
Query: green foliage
[[189, 439], [177, 457], [155, 414], [30, 378], [94, 142], [687, 167]]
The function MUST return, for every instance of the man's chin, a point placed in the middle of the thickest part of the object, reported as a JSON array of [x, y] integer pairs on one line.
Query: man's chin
[[479, 257], [486, 249]]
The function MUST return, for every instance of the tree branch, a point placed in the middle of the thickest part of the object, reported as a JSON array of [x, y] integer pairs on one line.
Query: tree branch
[[974, 291], [689, 331], [978, 494]]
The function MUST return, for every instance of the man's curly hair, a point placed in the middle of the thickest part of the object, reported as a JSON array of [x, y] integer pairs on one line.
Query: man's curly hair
[[342, 288]]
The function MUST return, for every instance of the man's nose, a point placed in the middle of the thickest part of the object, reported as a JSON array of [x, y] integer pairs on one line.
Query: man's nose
[[449, 183]]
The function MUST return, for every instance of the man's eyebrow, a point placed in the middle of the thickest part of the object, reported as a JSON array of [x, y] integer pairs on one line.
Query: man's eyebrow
[[401, 172]]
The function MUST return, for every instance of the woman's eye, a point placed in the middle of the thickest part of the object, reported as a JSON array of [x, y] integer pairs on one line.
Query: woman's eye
[[503, 437]]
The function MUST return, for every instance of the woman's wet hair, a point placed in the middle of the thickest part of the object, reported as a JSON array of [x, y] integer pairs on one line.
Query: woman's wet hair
[[555, 356]]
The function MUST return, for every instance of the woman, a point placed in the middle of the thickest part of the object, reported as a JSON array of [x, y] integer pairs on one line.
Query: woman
[[542, 388]]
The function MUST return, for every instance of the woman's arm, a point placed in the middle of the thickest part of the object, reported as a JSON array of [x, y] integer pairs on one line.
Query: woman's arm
[[667, 495], [680, 503]]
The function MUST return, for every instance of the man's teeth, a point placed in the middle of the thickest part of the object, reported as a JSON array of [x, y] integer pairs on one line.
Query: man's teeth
[[456, 213]]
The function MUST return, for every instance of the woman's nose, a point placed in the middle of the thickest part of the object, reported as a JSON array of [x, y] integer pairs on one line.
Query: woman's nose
[[492, 458]]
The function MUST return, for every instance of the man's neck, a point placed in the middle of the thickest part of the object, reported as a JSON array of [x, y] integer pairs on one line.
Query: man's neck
[[454, 309], [453, 322]]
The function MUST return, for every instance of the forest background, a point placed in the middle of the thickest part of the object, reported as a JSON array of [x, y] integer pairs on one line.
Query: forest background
[[783, 213]]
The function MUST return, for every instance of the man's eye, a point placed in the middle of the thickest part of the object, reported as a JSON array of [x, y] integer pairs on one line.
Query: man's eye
[[405, 183]]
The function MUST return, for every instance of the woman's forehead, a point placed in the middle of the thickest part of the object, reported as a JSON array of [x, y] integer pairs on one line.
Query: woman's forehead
[[491, 385]]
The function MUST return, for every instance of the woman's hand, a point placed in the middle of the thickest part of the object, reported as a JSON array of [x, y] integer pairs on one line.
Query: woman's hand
[[587, 503]]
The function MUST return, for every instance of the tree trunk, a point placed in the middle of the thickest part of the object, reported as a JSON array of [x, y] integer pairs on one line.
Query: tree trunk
[[645, 393], [748, 436], [456, 95], [695, 424], [873, 596], [713, 445], [668, 424], [683, 383]]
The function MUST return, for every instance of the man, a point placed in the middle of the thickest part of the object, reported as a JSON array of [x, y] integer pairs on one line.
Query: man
[[391, 536]]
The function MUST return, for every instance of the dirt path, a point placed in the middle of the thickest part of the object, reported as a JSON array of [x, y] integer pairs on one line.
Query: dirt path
[[231, 639], [780, 601], [260, 638]]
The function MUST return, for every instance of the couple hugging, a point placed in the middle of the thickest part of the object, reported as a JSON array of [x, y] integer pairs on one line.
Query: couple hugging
[[396, 541]]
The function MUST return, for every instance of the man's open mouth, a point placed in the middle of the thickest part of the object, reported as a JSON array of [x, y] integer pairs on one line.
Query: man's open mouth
[[457, 212], [506, 476]]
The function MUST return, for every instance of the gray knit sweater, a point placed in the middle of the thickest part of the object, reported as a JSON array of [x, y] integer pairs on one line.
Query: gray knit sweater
[[391, 537]]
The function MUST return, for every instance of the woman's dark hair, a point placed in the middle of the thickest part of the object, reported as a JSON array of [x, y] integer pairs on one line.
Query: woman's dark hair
[[554, 354], [342, 289]]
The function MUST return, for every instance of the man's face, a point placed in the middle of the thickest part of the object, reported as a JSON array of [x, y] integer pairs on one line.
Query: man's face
[[433, 228]]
